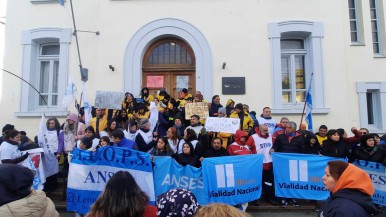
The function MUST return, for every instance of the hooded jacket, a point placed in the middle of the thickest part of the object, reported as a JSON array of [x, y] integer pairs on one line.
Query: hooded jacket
[[364, 152], [351, 195], [239, 147]]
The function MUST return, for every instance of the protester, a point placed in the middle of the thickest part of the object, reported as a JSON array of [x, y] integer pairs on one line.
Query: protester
[[187, 157], [227, 138], [110, 128], [86, 144], [145, 136], [7, 127], [312, 145], [54, 139], [351, 190], [190, 137], [184, 97], [98, 122], [173, 112], [200, 131], [229, 107], [266, 119], [90, 133], [246, 122], [132, 130], [146, 96], [239, 146], [321, 134], [73, 130], [122, 119], [261, 143], [220, 210], [280, 128], [178, 124], [9, 152], [130, 104], [216, 150], [369, 151], [173, 140], [290, 141], [162, 148], [333, 146], [177, 202], [17, 199], [104, 141], [214, 106], [119, 140], [122, 197]]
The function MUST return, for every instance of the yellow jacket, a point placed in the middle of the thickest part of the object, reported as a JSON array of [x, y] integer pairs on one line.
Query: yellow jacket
[[248, 121], [102, 124]]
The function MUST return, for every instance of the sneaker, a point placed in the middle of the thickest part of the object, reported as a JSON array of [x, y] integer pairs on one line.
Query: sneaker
[[294, 203], [284, 203]]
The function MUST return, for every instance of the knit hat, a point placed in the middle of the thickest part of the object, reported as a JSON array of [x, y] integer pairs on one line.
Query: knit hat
[[222, 110], [8, 127], [143, 122], [239, 106], [73, 117], [15, 182], [177, 202]]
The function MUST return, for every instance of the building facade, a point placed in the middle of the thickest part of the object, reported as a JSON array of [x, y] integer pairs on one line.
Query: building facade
[[276, 49]]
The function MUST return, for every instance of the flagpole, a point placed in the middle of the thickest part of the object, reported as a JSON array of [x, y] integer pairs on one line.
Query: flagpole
[[305, 102]]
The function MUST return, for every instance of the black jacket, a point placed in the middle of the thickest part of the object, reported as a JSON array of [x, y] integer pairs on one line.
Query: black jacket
[[185, 159], [378, 155], [348, 202], [334, 149], [283, 143], [215, 153]]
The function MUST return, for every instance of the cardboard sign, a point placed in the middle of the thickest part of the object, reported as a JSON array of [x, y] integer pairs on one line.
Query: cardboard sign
[[196, 108], [226, 125], [109, 100]]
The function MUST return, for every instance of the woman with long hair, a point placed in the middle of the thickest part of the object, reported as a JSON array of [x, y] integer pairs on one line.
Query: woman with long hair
[[54, 139], [187, 157], [122, 119], [190, 136], [89, 132], [129, 104], [173, 140], [351, 190], [162, 148], [369, 151], [214, 106], [146, 96], [122, 197], [110, 128]]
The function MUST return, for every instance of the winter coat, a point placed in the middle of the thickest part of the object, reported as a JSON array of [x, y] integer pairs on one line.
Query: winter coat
[[215, 153], [185, 159], [334, 149], [239, 147], [37, 204], [351, 196], [289, 143], [247, 121], [376, 154]]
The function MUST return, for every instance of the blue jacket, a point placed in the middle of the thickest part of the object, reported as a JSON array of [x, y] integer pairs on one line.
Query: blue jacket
[[126, 143], [348, 202]]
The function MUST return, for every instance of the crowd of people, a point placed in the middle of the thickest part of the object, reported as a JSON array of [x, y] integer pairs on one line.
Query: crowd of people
[[187, 141]]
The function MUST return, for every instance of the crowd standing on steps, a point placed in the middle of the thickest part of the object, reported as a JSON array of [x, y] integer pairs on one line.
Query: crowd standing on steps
[[185, 139]]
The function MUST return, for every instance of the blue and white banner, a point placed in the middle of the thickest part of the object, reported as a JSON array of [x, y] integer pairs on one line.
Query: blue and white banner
[[377, 175], [168, 174], [234, 179], [90, 171], [300, 175]]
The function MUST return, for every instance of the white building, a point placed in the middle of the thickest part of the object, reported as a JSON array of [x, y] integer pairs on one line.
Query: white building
[[274, 45]]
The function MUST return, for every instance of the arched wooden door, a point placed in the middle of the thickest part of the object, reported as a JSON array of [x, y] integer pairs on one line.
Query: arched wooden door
[[169, 63]]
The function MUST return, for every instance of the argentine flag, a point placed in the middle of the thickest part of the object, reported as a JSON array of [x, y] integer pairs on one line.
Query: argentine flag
[[309, 109]]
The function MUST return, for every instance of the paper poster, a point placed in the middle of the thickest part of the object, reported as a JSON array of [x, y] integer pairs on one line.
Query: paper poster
[[154, 81]]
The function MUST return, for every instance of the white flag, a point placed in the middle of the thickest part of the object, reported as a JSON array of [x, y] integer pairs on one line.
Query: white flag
[[70, 94], [87, 106], [153, 119]]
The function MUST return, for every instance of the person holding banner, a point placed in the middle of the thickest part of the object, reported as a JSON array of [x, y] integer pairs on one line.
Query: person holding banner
[[369, 151], [351, 190], [122, 197], [333, 146], [162, 148], [187, 157], [216, 150], [246, 122], [261, 141], [9, 152]]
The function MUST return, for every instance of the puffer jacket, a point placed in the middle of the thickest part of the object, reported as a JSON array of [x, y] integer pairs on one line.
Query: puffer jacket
[[37, 204]]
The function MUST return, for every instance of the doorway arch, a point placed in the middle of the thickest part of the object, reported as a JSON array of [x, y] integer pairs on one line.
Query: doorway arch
[[167, 27]]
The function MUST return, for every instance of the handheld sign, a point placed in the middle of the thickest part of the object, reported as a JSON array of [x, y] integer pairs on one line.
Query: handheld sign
[[196, 108], [109, 100], [226, 125]]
